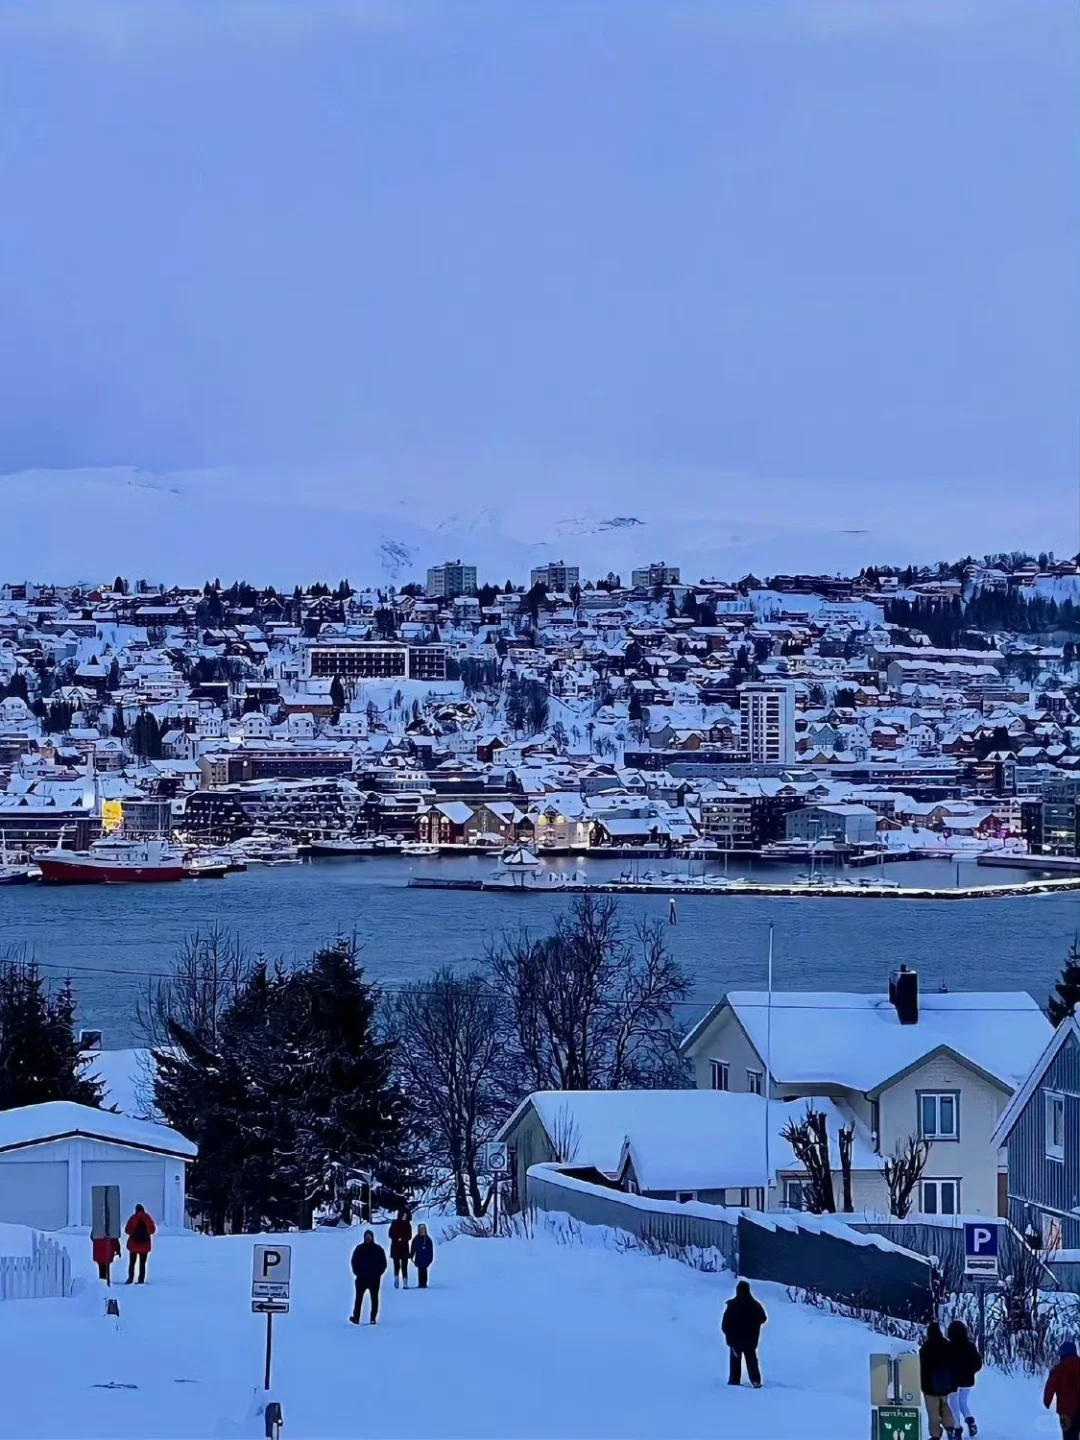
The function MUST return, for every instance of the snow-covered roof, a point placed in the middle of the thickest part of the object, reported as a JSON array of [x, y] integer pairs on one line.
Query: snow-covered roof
[[856, 1040], [681, 1139], [55, 1119]]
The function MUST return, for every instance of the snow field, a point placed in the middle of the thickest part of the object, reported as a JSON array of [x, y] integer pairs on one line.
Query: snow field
[[529, 1338]]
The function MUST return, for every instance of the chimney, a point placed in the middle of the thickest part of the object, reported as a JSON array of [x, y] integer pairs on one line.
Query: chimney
[[904, 995]]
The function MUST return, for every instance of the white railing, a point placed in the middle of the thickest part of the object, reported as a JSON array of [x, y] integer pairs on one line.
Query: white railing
[[44, 1274]]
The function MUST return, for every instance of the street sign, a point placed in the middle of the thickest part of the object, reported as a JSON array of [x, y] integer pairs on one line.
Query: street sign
[[495, 1157], [981, 1250], [271, 1268], [897, 1422], [269, 1307]]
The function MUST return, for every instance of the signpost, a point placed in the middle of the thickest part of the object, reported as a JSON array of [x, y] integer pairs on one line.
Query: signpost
[[271, 1283], [495, 1159], [981, 1262]]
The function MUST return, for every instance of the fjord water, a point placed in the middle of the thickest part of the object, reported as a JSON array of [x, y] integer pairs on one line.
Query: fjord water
[[114, 940]]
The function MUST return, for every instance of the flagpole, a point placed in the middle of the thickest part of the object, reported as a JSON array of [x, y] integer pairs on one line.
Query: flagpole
[[768, 1071]]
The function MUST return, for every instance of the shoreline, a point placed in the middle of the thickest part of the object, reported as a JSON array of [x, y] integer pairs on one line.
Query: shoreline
[[501, 886]]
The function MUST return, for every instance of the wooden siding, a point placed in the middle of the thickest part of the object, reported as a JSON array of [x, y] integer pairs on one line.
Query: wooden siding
[[1036, 1183]]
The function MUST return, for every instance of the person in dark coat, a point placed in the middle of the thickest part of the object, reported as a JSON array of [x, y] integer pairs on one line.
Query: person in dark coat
[[368, 1268], [964, 1364], [936, 1379], [140, 1230], [422, 1254], [400, 1240], [1063, 1386], [743, 1318]]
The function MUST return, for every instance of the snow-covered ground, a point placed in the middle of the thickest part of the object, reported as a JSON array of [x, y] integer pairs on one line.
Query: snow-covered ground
[[514, 1338]]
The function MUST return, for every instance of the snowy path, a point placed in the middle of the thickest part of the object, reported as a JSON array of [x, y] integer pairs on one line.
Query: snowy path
[[515, 1338]]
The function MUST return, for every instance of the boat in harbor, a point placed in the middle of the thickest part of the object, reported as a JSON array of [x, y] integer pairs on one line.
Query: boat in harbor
[[264, 850], [113, 861], [350, 845], [13, 872], [418, 848]]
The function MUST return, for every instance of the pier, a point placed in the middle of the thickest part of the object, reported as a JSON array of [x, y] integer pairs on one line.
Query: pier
[[526, 886]]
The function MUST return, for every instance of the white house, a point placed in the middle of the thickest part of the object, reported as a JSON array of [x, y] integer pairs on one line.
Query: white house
[[52, 1155], [940, 1069]]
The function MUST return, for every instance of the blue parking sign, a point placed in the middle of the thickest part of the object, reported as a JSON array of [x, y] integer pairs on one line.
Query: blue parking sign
[[981, 1248]]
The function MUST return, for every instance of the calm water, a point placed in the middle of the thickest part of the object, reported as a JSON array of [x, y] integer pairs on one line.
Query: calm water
[[113, 939]]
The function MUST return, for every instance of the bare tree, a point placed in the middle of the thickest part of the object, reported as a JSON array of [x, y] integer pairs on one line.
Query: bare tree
[[565, 1136], [809, 1139], [846, 1143], [451, 1058], [903, 1171], [589, 1007], [208, 972]]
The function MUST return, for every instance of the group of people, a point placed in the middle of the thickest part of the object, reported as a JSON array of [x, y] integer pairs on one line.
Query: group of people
[[369, 1263], [140, 1230], [948, 1366]]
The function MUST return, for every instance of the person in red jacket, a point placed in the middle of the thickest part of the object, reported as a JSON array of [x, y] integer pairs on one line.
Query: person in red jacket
[[104, 1249], [400, 1240], [139, 1230], [1063, 1385]]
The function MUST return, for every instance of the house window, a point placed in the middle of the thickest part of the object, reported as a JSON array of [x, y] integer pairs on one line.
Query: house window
[[721, 1074], [1055, 1126], [752, 1198], [940, 1197], [755, 1082], [796, 1195], [1051, 1232], [685, 1196], [939, 1116]]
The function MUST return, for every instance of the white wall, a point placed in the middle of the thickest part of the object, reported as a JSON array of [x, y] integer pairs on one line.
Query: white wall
[[64, 1172]]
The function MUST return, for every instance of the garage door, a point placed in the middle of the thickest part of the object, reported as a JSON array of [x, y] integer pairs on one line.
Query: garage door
[[142, 1182], [34, 1192]]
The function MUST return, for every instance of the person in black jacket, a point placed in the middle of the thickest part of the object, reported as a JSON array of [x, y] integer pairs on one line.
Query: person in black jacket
[[965, 1364], [422, 1254], [936, 1379], [368, 1267], [743, 1318]]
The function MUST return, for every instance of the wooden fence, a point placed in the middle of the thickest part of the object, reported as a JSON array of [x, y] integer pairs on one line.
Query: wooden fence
[[44, 1274]]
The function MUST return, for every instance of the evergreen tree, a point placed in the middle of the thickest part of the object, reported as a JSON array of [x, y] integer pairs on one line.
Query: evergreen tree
[[39, 1048], [17, 686], [119, 727], [1066, 997], [337, 693], [112, 681], [146, 736]]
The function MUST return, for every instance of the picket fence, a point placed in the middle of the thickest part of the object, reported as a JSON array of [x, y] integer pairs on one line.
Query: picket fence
[[44, 1274]]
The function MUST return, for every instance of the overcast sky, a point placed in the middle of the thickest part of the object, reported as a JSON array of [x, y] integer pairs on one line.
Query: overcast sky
[[817, 257]]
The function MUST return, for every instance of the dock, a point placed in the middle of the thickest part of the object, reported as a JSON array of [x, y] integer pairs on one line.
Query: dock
[[512, 886]]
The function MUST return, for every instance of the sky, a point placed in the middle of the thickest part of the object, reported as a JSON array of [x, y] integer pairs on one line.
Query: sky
[[804, 266]]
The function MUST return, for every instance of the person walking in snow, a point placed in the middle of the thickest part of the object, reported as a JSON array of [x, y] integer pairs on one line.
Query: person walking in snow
[[422, 1254], [936, 1379], [400, 1240], [140, 1230], [964, 1364], [368, 1268], [1063, 1386], [743, 1318], [104, 1249]]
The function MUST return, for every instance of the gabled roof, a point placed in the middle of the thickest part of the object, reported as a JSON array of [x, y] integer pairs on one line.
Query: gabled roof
[[1019, 1102], [61, 1119]]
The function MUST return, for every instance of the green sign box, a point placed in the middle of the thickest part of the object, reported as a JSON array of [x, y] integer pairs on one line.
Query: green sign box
[[897, 1422]]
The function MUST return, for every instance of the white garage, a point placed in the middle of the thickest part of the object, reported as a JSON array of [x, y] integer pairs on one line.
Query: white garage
[[52, 1156]]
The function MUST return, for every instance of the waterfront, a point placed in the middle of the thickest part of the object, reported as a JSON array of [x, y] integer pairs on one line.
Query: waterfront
[[116, 939]]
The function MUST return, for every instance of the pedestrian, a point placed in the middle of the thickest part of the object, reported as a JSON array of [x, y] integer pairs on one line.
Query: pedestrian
[[936, 1380], [743, 1318], [104, 1249], [368, 1268], [422, 1254], [139, 1230], [1063, 1385], [964, 1364], [400, 1239]]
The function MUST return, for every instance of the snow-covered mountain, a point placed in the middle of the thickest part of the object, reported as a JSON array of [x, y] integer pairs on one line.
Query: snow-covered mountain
[[281, 528]]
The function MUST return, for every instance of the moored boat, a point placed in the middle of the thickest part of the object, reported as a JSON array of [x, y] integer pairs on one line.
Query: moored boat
[[113, 861]]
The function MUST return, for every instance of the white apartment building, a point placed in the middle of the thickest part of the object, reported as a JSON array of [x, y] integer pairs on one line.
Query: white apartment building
[[767, 722], [450, 579], [557, 578]]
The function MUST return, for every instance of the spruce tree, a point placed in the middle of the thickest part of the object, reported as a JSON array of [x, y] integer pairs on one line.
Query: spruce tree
[[39, 1048], [1066, 998]]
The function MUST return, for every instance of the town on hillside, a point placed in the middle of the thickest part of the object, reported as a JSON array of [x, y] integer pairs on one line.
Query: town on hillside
[[840, 722]]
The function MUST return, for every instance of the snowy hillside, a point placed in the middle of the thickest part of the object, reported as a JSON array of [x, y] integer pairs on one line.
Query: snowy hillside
[[280, 528], [514, 1337]]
